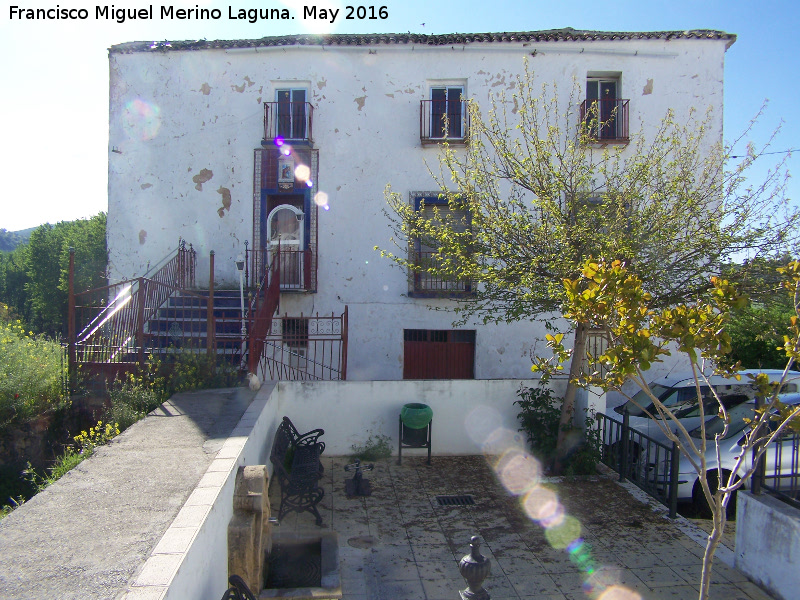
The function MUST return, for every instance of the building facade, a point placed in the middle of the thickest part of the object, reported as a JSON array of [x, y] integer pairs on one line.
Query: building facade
[[285, 145]]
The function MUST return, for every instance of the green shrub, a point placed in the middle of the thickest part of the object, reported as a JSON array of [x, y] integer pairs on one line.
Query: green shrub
[[376, 447], [190, 369], [539, 419]]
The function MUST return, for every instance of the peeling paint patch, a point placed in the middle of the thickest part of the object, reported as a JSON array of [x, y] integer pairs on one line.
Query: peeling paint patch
[[203, 176], [142, 237], [144, 186], [322, 83], [226, 201], [206, 89], [250, 83], [648, 88], [360, 101], [390, 95]]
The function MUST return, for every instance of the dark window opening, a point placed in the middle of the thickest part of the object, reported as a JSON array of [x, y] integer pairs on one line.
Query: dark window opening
[[291, 114], [447, 112]]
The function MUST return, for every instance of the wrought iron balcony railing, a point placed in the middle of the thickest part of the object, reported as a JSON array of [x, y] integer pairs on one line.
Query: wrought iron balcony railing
[[441, 120], [607, 120], [288, 121]]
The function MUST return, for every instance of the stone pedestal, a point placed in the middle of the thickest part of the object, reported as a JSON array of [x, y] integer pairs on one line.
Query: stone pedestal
[[249, 532]]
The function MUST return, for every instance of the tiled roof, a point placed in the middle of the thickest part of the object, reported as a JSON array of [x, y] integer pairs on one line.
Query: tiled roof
[[567, 34]]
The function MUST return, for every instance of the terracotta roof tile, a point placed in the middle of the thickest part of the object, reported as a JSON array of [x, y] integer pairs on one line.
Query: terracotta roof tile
[[375, 39]]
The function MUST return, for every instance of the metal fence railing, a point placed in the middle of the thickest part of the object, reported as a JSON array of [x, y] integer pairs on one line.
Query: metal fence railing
[[305, 348], [779, 471], [649, 464]]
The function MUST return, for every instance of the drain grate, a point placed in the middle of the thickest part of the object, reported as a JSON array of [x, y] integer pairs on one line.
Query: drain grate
[[465, 500]]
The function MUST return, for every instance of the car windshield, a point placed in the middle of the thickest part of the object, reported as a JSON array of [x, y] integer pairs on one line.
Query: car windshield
[[737, 416], [643, 399]]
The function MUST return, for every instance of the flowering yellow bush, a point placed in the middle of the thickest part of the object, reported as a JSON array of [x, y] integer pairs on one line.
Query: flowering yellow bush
[[96, 436], [31, 370]]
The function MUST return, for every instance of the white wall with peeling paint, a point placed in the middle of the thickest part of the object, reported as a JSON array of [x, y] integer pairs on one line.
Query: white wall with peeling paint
[[184, 124]]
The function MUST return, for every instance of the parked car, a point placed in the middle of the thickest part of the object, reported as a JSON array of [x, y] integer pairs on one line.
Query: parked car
[[782, 457], [679, 393]]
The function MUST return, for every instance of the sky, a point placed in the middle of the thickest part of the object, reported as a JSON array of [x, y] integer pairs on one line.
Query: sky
[[54, 74]]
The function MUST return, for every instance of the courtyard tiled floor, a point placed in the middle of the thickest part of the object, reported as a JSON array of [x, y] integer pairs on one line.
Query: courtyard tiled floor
[[399, 544]]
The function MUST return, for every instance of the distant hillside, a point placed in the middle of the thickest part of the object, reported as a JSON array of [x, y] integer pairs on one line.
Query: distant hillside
[[11, 239]]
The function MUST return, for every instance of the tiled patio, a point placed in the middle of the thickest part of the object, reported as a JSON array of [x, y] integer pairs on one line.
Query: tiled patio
[[399, 544]]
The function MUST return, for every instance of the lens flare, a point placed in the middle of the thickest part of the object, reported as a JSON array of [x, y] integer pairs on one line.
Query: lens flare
[[310, 183], [141, 120], [481, 422], [518, 471], [541, 504], [618, 592], [562, 534], [500, 440], [302, 173], [279, 141], [286, 149], [321, 199]]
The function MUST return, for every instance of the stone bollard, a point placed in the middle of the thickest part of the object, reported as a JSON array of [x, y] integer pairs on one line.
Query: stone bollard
[[474, 567], [250, 532]]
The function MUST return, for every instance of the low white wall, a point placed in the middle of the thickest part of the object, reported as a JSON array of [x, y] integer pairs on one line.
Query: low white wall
[[464, 411], [190, 561], [768, 543]]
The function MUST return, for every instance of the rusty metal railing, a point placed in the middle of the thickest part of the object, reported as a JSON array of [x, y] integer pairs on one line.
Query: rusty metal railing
[[107, 325]]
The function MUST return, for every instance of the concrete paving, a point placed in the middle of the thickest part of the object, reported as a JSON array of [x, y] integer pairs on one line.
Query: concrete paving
[[88, 534], [399, 544]]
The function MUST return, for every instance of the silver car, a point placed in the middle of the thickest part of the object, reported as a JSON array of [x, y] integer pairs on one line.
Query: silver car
[[782, 457]]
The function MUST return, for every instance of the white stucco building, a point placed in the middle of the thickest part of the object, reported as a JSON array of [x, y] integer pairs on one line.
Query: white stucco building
[[193, 154]]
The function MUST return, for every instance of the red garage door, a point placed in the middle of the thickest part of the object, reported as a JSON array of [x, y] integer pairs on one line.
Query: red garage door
[[438, 354]]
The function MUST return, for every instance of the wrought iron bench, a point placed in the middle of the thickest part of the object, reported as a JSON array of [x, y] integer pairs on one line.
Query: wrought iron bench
[[297, 467]]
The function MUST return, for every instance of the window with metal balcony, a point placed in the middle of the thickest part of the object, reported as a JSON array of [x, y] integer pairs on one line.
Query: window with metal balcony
[[444, 116], [289, 118], [427, 281], [604, 113]]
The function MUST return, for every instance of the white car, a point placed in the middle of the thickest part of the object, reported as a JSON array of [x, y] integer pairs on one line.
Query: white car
[[784, 454], [678, 392]]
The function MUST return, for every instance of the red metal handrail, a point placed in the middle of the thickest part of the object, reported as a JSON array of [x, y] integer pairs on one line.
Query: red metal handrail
[[262, 309]]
